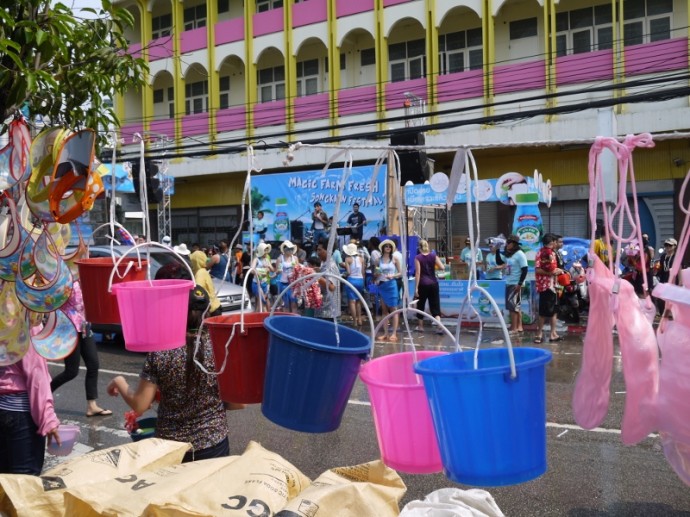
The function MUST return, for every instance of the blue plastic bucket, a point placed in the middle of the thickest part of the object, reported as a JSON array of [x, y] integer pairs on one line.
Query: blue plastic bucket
[[309, 375], [491, 429]]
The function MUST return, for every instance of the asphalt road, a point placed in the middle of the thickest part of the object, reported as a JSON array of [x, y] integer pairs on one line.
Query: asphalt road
[[590, 473]]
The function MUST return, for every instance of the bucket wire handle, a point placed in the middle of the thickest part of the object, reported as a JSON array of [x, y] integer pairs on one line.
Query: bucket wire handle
[[473, 285], [113, 240], [246, 199], [341, 280], [414, 311], [147, 244]]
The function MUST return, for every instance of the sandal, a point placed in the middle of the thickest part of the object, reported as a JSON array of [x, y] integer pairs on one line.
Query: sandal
[[555, 339], [382, 338], [393, 339], [538, 340]]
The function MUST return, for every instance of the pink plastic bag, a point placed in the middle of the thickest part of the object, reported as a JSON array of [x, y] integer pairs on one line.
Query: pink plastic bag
[[591, 395], [640, 366]]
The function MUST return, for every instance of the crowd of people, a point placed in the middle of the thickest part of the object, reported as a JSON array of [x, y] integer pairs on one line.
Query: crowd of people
[[374, 269]]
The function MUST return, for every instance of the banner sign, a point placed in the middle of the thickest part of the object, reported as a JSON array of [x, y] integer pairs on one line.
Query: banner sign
[[502, 189], [453, 292], [287, 201]]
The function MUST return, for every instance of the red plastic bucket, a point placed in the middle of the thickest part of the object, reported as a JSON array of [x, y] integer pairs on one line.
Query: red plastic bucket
[[154, 313], [242, 380], [94, 274]]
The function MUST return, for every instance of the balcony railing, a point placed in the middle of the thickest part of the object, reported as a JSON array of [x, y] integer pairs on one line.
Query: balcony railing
[[395, 92], [164, 126], [348, 7], [528, 75], [231, 119], [462, 85], [353, 101], [311, 107], [311, 11], [590, 66], [268, 22], [192, 40], [161, 48], [195, 124], [229, 31], [269, 113], [660, 56]]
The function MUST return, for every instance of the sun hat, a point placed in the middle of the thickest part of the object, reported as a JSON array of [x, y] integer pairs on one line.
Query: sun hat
[[350, 249], [671, 242], [513, 238], [167, 239], [287, 245], [182, 249], [384, 243], [262, 249]]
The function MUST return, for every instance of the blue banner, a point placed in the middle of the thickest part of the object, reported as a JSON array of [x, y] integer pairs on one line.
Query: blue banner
[[287, 201], [452, 294], [503, 189]]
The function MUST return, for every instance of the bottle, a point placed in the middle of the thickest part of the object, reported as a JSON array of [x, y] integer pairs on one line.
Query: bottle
[[527, 224], [281, 223]]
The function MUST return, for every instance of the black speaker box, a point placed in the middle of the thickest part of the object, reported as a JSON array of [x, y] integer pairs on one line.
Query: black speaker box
[[154, 190], [408, 138], [297, 231], [413, 164]]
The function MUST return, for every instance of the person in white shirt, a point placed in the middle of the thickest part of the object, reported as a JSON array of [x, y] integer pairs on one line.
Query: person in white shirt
[[285, 264], [354, 269]]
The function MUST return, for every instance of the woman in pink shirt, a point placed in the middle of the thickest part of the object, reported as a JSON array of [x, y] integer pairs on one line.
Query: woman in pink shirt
[[27, 415]]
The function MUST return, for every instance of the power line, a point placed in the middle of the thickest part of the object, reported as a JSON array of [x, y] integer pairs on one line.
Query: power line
[[240, 141], [654, 96]]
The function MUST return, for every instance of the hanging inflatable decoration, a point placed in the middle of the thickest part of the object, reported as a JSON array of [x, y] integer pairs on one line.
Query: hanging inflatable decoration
[[613, 301], [37, 293], [58, 337], [11, 253], [14, 157], [44, 257], [673, 336], [11, 311], [80, 253], [74, 185], [42, 164], [14, 342]]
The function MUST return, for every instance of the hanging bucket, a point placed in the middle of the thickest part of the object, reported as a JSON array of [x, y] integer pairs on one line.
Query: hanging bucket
[[309, 374], [94, 273], [242, 379], [491, 429], [404, 427], [154, 313]]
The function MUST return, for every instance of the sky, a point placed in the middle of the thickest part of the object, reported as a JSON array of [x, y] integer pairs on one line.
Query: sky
[[77, 5]]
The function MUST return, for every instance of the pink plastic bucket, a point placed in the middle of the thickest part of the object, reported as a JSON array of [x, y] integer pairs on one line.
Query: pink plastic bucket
[[404, 427], [69, 434], [153, 313]]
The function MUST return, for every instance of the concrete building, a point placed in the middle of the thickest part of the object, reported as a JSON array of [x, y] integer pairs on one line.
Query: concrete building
[[532, 81]]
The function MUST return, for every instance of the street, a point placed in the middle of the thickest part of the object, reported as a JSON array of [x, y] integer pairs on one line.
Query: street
[[590, 473]]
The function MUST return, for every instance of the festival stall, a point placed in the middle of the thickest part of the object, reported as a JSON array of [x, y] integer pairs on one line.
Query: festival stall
[[512, 188]]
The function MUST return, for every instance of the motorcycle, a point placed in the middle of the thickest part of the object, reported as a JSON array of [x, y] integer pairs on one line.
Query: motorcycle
[[574, 299]]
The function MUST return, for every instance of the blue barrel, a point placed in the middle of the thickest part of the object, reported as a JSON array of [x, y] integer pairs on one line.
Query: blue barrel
[[491, 429], [309, 373]]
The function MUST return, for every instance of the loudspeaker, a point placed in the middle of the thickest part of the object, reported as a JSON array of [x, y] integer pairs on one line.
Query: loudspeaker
[[154, 190], [408, 138], [297, 231], [413, 164]]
